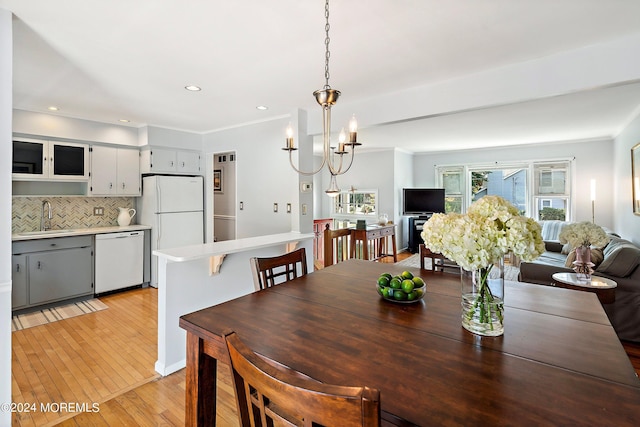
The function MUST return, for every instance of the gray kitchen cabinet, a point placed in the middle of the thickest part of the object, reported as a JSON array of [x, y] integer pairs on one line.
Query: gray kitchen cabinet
[[59, 274], [19, 296], [115, 171], [51, 270]]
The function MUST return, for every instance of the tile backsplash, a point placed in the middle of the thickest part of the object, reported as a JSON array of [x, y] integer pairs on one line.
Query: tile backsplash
[[68, 212]]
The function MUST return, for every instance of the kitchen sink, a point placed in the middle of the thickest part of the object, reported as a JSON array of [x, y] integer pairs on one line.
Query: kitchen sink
[[44, 233]]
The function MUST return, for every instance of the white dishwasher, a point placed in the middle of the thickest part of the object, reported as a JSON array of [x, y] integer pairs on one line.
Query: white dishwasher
[[119, 260]]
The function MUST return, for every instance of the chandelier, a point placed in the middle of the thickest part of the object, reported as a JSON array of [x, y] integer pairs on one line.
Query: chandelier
[[331, 156]]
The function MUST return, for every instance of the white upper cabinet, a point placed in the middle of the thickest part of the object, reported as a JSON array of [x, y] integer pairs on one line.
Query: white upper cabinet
[[161, 160], [188, 162], [171, 161], [128, 172], [103, 170], [35, 159], [114, 171]]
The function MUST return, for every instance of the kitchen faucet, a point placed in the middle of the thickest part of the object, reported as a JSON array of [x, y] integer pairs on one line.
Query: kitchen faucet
[[43, 222]]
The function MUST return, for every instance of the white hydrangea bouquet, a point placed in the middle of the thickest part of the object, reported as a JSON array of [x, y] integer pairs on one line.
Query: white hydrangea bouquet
[[491, 228], [581, 236], [475, 241], [583, 233]]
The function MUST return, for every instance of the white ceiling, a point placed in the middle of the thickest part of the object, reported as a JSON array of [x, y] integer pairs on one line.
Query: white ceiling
[[122, 59]]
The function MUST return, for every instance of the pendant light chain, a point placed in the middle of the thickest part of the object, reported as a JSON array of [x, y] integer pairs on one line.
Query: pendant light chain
[[326, 43], [332, 157]]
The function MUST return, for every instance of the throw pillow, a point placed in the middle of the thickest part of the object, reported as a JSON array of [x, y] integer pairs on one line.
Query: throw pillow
[[551, 246], [622, 258]]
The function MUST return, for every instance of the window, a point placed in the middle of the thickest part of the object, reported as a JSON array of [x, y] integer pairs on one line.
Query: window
[[355, 204], [547, 197], [552, 191], [510, 183], [452, 180]]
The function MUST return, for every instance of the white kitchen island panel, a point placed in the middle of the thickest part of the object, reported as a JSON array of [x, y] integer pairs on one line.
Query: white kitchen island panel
[[185, 284]]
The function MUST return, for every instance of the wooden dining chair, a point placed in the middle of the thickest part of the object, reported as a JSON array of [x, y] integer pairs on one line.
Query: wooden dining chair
[[438, 261], [337, 245], [271, 271], [268, 394]]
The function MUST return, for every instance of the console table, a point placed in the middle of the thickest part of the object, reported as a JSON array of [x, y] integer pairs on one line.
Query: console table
[[373, 241]]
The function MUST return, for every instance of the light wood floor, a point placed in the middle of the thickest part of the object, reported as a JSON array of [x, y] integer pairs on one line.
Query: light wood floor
[[107, 358]]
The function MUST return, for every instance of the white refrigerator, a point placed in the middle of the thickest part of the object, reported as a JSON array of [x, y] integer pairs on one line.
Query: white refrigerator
[[173, 207]]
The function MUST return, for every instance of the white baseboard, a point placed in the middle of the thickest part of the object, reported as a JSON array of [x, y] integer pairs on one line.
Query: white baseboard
[[168, 370]]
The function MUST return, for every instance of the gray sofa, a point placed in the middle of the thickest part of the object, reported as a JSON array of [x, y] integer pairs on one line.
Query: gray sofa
[[621, 260]]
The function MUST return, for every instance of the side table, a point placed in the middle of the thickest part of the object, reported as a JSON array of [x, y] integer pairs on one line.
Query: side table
[[604, 288]]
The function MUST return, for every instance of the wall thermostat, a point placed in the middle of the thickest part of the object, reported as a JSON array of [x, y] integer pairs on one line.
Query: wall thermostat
[[305, 187]]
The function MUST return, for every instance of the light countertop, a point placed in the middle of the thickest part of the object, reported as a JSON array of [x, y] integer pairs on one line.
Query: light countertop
[[193, 252], [34, 235]]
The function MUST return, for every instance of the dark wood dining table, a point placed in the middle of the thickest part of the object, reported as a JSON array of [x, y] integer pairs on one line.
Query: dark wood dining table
[[559, 361]]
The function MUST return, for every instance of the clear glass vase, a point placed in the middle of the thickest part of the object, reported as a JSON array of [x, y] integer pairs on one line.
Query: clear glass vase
[[483, 299]]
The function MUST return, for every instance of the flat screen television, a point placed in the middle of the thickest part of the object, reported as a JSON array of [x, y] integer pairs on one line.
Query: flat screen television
[[423, 201]]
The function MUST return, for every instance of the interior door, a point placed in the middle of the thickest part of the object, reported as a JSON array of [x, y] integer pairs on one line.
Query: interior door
[[224, 196]]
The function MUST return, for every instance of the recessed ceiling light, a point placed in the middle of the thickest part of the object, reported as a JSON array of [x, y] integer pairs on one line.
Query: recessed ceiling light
[[262, 107], [53, 108], [124, 120], [193, 88]]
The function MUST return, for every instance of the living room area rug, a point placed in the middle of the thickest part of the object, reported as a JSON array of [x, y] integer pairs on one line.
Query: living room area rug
[[510, 272], [53, 314]]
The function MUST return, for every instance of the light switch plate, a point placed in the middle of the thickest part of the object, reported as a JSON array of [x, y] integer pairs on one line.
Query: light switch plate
[[98, 211], [275, 207]]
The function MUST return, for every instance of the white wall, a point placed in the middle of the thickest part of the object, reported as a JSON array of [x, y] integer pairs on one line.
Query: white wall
[[403, 179], [264, 178], [6, 101], [382, 170], [163, 137], [53, 126], [626, 223], [593, 160]]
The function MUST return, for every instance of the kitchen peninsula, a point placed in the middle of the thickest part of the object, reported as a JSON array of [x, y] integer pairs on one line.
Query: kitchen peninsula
[[194, 277]]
